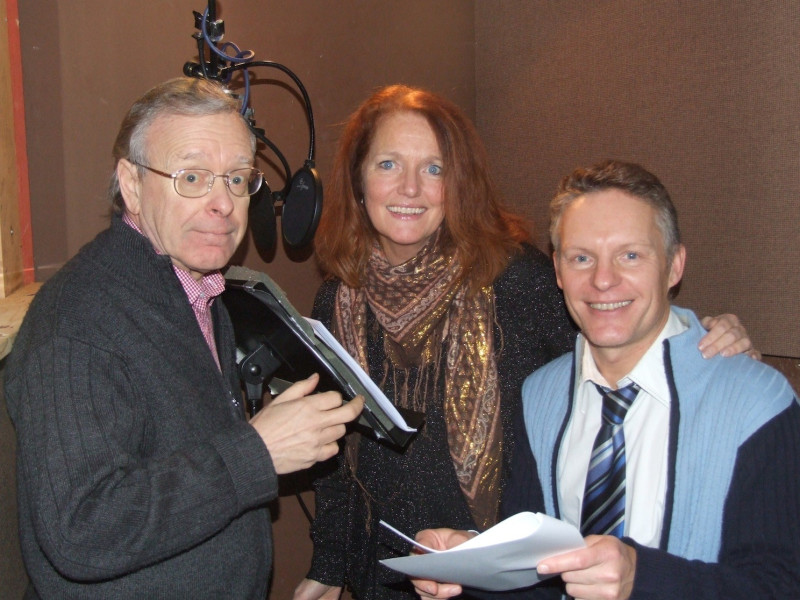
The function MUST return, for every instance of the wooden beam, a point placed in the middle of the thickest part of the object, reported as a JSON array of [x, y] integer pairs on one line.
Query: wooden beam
[[16, 240]]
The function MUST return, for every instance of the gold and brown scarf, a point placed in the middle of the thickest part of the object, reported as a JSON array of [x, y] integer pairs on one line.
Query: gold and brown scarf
[[425, 310]]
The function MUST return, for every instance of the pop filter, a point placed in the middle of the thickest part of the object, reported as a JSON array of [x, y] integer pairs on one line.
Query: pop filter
[[302, 207]]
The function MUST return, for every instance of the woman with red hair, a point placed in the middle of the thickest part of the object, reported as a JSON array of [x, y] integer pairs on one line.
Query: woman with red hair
[[434, 287]]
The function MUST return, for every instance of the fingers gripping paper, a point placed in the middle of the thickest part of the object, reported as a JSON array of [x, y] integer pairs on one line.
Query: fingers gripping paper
[[503, 557]]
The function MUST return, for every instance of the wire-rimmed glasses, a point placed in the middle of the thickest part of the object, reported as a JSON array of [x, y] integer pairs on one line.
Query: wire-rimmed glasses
[[196, 183]]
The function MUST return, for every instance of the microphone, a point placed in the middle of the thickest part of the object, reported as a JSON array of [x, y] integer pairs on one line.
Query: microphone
[[192, 69], [261, 215], [302, 193]]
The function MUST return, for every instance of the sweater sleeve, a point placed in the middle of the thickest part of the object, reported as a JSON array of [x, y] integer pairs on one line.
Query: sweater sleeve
[[331, 491], [330, 527], [102, 501], [532, 329], [760, 554], [527, 297]]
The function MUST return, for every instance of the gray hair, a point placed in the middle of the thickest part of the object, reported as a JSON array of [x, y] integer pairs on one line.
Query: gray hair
[[179, 96], [627, 177]]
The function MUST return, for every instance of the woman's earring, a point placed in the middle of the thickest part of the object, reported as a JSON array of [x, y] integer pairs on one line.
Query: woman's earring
[[362, 201]]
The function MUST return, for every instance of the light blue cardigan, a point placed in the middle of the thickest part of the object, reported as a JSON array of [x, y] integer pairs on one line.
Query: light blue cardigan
[[716, 405]]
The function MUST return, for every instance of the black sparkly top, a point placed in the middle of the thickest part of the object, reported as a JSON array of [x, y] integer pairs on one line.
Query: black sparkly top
[[417, 488]]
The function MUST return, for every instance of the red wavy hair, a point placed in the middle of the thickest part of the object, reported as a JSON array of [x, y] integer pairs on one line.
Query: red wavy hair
[[478, 228]]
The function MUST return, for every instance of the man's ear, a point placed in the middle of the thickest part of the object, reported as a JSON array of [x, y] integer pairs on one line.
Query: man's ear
[[676, 268], [129, 185]]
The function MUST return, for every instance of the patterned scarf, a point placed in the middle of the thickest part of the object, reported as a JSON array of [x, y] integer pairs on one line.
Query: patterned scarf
[[424, 311]]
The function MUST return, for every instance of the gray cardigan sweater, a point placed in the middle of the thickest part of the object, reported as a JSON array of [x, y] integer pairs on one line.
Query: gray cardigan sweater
[[138, 474]]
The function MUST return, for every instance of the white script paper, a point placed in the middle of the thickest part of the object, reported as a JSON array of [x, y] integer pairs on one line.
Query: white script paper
[[331, 342], [503, 557]]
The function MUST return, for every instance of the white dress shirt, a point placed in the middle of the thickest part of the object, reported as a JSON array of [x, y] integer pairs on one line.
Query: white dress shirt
[[646, 428]]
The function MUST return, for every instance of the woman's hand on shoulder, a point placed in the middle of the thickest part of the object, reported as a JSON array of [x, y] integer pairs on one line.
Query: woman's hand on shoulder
[[726, 336]]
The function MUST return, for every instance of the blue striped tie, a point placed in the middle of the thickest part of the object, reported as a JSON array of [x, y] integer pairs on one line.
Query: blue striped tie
[[604, 500]]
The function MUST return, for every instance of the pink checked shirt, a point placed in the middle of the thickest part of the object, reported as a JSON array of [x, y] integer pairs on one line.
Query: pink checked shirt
[[201, 295]]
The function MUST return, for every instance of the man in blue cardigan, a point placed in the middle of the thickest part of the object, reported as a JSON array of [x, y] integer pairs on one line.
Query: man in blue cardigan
[[708, 490]]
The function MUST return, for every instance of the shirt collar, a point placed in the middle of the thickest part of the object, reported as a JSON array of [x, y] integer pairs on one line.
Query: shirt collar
[[208, 287]]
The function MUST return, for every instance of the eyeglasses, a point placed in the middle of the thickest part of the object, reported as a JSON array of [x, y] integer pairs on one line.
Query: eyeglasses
[[196, 183]]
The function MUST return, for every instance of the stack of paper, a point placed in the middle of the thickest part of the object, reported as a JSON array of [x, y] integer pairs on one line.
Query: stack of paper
[[503, 557]]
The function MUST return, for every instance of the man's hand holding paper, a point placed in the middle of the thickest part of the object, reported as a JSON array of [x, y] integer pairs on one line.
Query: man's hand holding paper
[[503, 557], [604, 569]]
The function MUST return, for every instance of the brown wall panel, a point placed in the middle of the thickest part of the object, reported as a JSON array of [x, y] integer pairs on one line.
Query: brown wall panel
[[704, 94], [86, 61], [790, 367]]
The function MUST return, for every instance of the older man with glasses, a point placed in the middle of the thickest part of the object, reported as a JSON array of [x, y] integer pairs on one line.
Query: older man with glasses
[[139, 475]]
